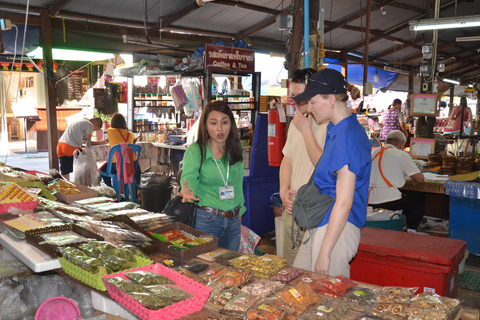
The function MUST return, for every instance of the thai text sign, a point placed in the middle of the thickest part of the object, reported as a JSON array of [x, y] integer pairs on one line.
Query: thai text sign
[[229, 58]]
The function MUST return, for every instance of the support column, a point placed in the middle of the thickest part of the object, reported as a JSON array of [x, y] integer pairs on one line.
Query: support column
[[50, 86], [367, 44]]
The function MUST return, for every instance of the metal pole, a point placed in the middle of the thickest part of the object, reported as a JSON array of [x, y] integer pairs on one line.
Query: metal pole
[[306, 39]]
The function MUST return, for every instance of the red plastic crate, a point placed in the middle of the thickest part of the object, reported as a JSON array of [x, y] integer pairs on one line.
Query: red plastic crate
[[395, 258]]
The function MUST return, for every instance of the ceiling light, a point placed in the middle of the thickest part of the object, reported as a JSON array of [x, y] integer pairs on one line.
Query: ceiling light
[[464, 39], [451, 81], [71, 55], [386, 68], [445, 23], [148, 43], [376, 78]]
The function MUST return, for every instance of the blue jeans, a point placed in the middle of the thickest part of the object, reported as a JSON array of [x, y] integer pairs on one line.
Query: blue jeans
[[225, 229]]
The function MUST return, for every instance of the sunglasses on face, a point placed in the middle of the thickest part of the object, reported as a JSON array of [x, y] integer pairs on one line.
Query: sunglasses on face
[[322, 83]]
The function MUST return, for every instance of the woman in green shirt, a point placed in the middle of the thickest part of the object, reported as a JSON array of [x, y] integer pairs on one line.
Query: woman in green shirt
[[213, 175]]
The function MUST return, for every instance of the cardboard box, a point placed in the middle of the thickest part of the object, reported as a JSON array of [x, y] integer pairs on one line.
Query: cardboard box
[[395, 258], [85, 193]]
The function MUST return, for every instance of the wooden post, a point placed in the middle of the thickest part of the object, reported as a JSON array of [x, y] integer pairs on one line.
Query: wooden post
[[367, 44], [297, 36], [50, 94]]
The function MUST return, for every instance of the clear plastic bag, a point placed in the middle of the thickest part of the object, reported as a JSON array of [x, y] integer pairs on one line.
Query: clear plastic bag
[[85, 170]]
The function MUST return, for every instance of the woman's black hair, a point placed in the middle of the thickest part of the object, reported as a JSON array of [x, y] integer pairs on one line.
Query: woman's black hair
[[234, 149], [302, 75]]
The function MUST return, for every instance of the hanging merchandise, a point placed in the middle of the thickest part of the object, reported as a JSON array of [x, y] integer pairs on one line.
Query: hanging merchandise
[[276, 132], [191, 87], [178, 96]]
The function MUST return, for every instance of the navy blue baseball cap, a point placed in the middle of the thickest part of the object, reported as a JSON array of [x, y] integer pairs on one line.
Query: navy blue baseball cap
[[326, 81]]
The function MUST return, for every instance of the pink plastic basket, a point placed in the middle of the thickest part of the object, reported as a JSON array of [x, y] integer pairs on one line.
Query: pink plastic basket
[[174, 311], [58, 308]]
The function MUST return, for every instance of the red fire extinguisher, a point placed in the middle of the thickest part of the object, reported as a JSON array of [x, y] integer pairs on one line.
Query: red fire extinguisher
[[276, 137]]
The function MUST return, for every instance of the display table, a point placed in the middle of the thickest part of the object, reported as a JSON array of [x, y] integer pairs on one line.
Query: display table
[[428, 186]]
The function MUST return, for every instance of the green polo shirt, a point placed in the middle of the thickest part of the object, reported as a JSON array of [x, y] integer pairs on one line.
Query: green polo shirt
[[206, 183]]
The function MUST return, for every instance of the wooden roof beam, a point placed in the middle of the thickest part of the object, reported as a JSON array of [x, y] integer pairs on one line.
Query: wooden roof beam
[[246, 33], [248, 6], [168, 20], [54, 9]]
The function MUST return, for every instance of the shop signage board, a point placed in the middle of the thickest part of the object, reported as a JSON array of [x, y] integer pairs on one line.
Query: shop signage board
[[425, 104], [229, 58]]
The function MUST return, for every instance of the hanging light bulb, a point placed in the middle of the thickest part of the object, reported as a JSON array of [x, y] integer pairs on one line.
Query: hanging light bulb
[[376, 78]]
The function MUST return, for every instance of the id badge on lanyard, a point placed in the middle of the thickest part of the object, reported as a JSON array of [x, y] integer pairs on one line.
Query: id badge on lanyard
[[226, 192]]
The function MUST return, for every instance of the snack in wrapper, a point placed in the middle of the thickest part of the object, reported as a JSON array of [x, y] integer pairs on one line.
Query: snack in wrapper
[[170, 291], [240, 304], [365, 297], [117, 264], [132, 249], [299, 297], [224, 297], [368, 316], [148, 278], [311, 278], [127, 285], [262, 287], [150, 300], [214, 273], [235, 278], [339, 284], [268, 309], [225, 258], [267, 265], [287, 274], [396, 294], [328, 309]]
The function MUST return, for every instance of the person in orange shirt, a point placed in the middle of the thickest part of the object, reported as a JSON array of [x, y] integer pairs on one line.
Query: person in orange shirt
[[118, 133]]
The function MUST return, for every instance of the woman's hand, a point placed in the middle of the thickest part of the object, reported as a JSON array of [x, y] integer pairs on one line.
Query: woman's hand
[[187, 194], [286, 202]]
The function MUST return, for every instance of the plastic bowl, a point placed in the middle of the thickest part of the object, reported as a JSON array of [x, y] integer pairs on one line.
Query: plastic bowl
[[58, 308]]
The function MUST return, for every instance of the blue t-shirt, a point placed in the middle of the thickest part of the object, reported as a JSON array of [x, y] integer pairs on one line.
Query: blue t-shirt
[[346, 144]]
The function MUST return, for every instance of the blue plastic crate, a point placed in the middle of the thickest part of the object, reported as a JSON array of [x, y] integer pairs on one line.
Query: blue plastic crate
[[465, 222]]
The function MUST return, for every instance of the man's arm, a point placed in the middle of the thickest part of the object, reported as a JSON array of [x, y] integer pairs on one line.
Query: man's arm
[[304, 125], [418, 177], [285, 180]]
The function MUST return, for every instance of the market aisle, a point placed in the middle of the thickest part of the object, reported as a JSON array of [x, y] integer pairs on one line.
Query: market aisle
[[30, 161]]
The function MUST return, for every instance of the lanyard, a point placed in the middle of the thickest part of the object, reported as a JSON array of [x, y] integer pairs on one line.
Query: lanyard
[[228, 172]]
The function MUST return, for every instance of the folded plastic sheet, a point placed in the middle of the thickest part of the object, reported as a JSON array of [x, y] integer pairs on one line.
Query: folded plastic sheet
[[470, 190]]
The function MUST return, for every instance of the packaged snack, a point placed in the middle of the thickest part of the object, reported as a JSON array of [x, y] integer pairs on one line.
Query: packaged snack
[[300, 297], [210, 256], [287, 274], [396, 294], [116, 264], [369, 316], [365, 297], [172, 234], [150, 300], [224, 297], [242, 262], [148, 278], [235, 278], [267, 265], [428, 305], [262, 287], [170, 291], [225, 258], [311, 278], [196, 266], [327, 309], [396, 309], [266, 310], [339, 284], [240, 303], [126, 285], [214, 273]]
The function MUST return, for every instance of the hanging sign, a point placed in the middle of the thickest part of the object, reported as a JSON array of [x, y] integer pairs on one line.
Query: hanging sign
[[229, 58]]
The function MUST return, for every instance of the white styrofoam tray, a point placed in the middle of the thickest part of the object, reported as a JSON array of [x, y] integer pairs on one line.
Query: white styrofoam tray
[[110, 306], [35, 259]]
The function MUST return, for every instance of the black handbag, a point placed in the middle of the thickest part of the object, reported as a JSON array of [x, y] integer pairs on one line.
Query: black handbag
[[309, 207], [183, 212]]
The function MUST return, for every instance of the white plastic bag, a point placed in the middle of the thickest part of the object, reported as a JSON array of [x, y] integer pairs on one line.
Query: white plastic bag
[[85, 171]]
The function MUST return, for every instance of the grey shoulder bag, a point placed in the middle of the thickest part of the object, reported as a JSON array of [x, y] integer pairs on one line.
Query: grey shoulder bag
[[309, 207]]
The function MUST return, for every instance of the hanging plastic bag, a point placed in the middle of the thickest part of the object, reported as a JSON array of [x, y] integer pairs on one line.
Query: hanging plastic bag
[[85, 170], [178, 96], [191, 88]]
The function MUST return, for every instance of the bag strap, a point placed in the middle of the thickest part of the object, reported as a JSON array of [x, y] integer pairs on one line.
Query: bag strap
[[123, 137]]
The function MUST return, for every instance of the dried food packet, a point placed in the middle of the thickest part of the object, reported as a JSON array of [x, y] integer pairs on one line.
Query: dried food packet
[[61, 238], [224, 297], [117, 264], [92, 265], [311, 278], [396, 294], [210, 256], [328, 309], [213, 274], [216, 287], [171, 291], [172, 234], [225, 258], [96, 248], [433, 301], [339, 284], [369, 316], [95, 200], [196, 266], [365, 297], [300, 297], [236, 278], [127, 285], [262, 287], [150, 300], [267, 265], [266, 309], [189, 274], [243, 262], [132, 249], [148, 278], [287, 274], [68, 252], [396, 309], [240, 303]]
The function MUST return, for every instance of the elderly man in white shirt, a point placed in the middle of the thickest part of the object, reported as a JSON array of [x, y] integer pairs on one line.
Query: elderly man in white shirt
[[390, 166]]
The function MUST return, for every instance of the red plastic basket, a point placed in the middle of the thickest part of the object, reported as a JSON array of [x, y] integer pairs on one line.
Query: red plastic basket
[[177, 310]]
